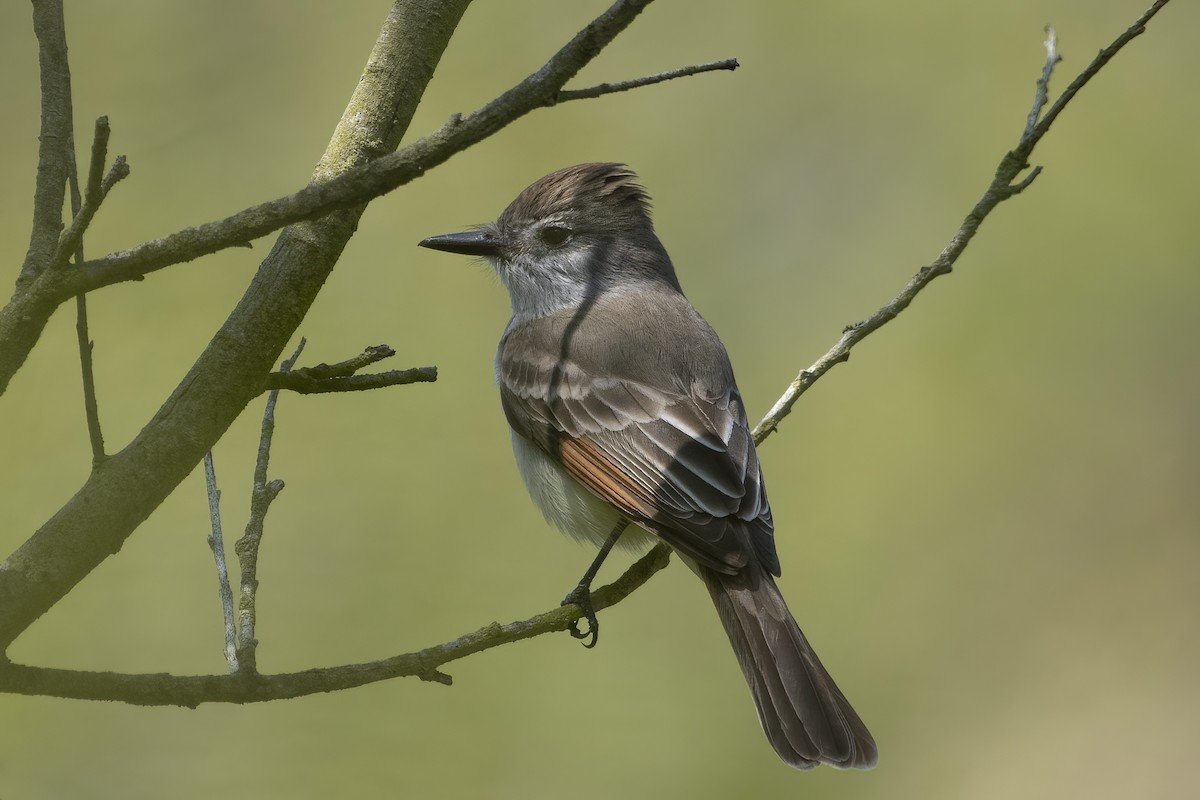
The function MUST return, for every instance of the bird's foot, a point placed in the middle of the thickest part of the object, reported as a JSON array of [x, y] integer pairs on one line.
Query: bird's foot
[[581, 596]]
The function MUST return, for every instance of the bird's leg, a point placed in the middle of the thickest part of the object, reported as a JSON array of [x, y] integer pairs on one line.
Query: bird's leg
[[581, 595]]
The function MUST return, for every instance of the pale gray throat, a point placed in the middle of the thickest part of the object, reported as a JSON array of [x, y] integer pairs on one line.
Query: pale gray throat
[[555, 281]]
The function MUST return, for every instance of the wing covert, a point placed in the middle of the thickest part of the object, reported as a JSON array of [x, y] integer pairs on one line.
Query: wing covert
[[681, 464]]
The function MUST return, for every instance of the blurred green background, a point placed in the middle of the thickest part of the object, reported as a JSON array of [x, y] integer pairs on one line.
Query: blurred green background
[[988, 520]]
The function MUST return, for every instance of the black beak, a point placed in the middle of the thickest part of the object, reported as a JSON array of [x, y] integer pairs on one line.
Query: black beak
[[470, 243]]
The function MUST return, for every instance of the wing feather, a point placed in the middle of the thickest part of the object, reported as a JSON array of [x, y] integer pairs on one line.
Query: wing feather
[[676, 458]]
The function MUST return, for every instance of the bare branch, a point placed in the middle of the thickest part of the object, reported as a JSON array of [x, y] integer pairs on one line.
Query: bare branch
[[160, 689], [566, 95], [54, 138], [98, 187], [342, 369], [340, 377], [117, 172], [95, 182], [216, 542], [1103, 57], [1002, 187], [1043, 85], [262, 495], [304, 384], [91, 408]]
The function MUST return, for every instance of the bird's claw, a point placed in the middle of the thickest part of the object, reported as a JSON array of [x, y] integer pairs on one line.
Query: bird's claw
[[582, 596]]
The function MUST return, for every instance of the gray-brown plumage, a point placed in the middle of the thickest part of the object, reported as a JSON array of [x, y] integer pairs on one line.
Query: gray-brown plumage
[[623, 406]]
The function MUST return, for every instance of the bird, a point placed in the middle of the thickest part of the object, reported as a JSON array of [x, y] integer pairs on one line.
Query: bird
[[627, 426]]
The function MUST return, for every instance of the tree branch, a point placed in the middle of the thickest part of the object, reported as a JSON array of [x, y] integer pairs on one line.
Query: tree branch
[[1042, 95], [159, 689], [303, 384], [1103, 57], [1001, 188], [344, 369], [263, 493], [602, 89], [54, 138], [91, 408], [216, 543], [340, 377], [98, 186]]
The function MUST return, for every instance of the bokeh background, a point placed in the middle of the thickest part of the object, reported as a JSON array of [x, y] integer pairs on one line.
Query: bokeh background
[[988, 520]]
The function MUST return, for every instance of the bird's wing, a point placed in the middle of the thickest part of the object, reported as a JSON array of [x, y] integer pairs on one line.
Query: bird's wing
[[678, 461]]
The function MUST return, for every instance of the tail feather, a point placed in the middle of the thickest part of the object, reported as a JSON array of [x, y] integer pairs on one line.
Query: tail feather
[[806, 717]]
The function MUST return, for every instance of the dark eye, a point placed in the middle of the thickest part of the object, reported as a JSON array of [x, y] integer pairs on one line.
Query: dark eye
[[554, 235]]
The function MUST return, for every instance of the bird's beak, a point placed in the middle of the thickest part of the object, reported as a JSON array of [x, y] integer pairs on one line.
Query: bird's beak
[[470, 243]]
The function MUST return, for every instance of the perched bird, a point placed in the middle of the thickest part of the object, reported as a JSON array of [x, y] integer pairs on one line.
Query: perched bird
[[627, 425]]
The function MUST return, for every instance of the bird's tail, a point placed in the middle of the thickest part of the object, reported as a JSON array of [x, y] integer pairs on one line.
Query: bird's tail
[[805, 716]]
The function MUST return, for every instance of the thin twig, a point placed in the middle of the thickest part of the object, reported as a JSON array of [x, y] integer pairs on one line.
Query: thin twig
[[340, 377], [1103, 57], [95, 181], [602, 89], [91, 408], [216, 542], [342, 369], [1041, 96], [1001, 188], [307, 384], [262, 495], [97, 189]]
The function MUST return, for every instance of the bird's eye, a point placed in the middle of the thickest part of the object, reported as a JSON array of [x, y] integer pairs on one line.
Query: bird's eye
[[554, 235]]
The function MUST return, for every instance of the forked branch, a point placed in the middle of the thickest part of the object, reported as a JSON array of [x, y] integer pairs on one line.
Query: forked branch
[[1003, 186]]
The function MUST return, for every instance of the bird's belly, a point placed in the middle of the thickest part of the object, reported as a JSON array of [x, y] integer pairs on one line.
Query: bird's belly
[[566, 504]]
